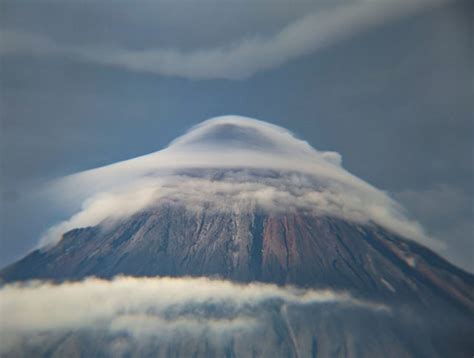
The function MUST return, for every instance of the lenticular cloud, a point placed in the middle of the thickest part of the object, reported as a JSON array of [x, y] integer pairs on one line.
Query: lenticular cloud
[[234, 164]]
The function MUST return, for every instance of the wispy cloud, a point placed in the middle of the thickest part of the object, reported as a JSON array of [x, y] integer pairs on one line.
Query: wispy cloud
[[144, 307], [237, 60]]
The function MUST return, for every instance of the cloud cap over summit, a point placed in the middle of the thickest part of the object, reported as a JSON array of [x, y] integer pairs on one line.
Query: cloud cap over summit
[[260, 165]]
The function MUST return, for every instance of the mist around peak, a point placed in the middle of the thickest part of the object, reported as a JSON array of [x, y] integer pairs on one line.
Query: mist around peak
[[235, 164]]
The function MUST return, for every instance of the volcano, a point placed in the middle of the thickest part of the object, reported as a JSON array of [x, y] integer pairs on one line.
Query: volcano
[[244, 201]]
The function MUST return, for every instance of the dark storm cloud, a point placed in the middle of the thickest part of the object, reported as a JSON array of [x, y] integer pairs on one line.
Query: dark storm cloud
[[396, 102]]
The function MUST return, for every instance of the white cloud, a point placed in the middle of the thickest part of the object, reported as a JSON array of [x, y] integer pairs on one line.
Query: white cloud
[[144, 307], [184, 173], [237, 60], [229, 164]]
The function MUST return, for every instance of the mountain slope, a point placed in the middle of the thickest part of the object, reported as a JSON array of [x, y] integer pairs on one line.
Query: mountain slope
[[239, 201], [322, 331], [286, 249], [430, 302]]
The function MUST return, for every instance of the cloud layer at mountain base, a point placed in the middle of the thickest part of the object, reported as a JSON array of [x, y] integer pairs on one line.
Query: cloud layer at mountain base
[[152, 307]]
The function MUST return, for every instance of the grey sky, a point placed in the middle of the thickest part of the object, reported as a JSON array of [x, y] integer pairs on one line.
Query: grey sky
[[232, 59], [394, 98]]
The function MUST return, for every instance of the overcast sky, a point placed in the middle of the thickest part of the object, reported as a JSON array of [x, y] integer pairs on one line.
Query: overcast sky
[[386, 83]]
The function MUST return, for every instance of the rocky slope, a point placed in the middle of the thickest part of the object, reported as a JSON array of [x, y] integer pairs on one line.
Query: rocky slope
[[244, 201], [295, 249]]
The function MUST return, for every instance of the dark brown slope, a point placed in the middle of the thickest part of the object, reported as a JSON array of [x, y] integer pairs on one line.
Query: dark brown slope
[[298, 249], [430, 301]]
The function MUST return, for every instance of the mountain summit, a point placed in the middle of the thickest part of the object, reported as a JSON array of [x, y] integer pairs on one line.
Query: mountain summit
[[226, 163], [246, 201], [240, 133]]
